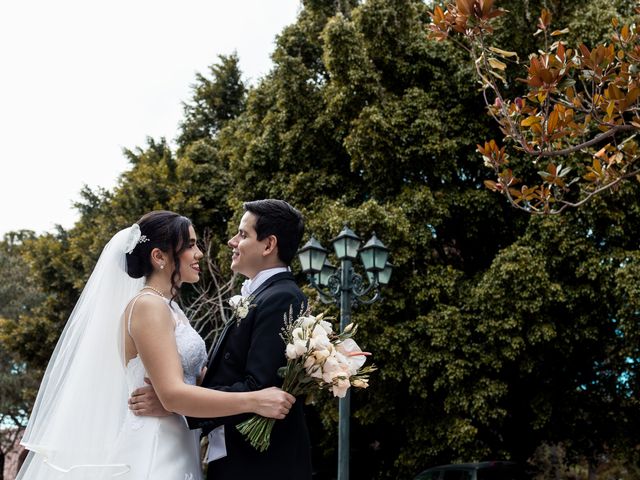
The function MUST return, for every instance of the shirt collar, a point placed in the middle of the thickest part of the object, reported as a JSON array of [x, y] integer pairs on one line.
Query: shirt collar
[[251, 285]]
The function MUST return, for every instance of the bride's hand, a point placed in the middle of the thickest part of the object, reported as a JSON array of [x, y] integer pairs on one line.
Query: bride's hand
[[273, 403]]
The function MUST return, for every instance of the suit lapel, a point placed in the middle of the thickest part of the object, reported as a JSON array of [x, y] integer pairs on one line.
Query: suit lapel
[[254, 295]]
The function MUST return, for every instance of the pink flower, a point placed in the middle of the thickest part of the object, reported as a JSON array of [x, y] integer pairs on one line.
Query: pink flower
[[340, 387], [317, 358], [331, 369], [315, 371], [354, 355], [360, 383]]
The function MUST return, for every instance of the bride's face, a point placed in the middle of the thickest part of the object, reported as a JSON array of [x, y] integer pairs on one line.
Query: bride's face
[[190, 260]]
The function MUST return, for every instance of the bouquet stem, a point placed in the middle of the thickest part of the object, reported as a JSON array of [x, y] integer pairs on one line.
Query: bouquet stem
[[258, 431]]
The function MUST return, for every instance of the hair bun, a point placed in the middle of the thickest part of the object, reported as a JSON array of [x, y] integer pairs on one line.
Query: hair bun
[[135, 266]]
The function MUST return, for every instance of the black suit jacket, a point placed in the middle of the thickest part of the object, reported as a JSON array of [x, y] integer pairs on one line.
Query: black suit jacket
[[247, 357]]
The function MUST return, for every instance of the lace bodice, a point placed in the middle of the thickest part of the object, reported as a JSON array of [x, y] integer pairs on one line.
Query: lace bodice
[[191, 348]]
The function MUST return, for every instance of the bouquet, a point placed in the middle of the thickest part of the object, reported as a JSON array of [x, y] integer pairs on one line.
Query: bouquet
[[317, 358]]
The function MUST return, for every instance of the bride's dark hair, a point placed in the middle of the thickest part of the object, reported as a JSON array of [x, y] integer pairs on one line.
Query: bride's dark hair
[[165, 230]]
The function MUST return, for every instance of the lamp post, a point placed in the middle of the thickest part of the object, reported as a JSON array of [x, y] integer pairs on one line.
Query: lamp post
[[344, 287]]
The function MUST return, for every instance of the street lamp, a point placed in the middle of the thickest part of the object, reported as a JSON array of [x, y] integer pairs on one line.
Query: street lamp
[[383, 276], [312, 256], [344, 287], [374, 255]]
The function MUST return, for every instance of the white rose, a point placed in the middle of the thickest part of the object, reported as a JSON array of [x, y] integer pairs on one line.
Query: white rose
[[300, 346], [327, 326], [322, 342], [235, 301], [321, 355], [306, 322], [291, 351], [297, 333], [319, 332]]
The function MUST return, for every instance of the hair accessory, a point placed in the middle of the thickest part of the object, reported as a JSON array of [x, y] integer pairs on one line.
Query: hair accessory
[[135, 237]]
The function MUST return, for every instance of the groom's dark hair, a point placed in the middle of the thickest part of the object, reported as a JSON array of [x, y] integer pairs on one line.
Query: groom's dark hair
[[277, 217]]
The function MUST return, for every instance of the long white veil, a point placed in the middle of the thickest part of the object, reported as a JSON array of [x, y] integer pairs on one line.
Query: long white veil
[[82, 400]]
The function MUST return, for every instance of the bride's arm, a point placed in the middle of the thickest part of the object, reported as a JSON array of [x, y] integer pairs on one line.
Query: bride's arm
[[152, 330]]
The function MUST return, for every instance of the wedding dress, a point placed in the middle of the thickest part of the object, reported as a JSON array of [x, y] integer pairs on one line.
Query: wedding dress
[[163, 447], [81, 427], [154, 448]]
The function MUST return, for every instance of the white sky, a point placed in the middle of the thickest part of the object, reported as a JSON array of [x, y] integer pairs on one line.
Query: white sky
[[81, 79]]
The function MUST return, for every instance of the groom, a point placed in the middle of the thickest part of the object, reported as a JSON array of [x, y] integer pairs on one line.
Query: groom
[[250, 351]]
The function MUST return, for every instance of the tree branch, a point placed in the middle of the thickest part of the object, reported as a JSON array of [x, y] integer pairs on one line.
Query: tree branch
[[589, 143]]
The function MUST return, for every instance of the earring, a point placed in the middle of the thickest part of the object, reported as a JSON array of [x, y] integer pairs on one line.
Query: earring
[[161, 266]]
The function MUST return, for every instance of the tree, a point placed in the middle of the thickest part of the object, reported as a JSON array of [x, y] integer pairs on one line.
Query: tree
[[500, 332], [194, 183], [344, 127], [17, 392], [580, 103], [18, 296], [215, 101], [375, 125]]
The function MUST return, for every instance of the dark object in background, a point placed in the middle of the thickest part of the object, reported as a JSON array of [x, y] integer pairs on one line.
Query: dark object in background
[[475, 471]]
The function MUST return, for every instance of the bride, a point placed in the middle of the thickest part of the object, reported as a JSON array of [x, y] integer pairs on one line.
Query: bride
[[127, 327]]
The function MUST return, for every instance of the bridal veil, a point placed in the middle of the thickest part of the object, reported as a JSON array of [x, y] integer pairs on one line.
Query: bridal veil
[[82, 399]]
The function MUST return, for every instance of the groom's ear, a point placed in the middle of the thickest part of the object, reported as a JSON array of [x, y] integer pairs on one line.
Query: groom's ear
[[270, 245]]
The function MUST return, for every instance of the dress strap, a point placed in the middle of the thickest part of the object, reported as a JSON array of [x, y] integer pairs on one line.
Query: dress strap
[[135, 299]]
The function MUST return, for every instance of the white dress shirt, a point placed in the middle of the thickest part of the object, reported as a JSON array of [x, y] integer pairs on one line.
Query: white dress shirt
[[251, 285]]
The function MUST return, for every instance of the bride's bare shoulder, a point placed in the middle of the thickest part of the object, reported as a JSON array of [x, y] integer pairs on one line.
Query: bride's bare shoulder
[[148, 309]]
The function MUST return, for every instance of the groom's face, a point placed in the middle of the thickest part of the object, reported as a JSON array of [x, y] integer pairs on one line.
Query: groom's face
[[247, 251]]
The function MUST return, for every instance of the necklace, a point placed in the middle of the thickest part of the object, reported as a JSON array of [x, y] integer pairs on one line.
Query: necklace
[[155, 290]]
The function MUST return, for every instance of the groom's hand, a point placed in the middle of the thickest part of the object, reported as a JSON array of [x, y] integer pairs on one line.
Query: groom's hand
[[145, 402], [203, 372]]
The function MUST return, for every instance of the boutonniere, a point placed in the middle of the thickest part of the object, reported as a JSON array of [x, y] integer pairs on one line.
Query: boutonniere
[[240, 306]]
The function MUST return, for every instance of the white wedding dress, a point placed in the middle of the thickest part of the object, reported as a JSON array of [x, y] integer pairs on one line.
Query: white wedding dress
[[146, 448], [163, 448]]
